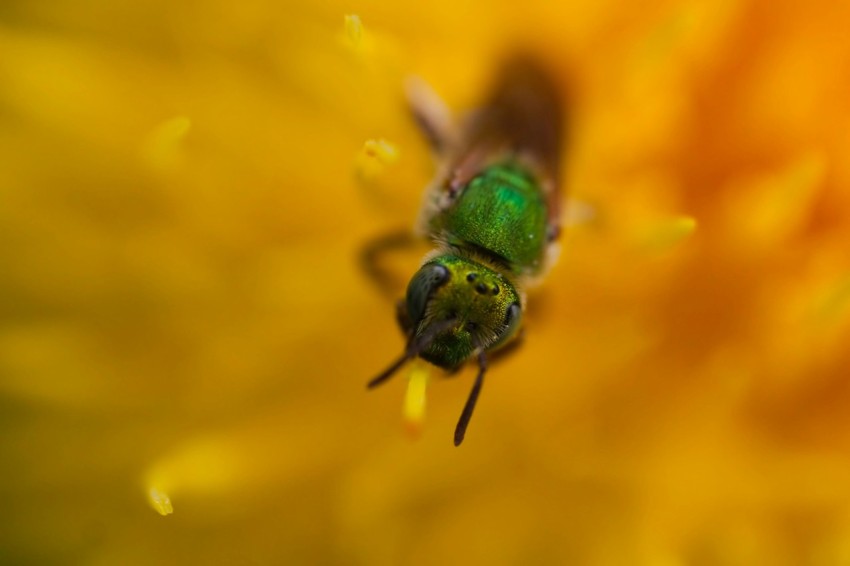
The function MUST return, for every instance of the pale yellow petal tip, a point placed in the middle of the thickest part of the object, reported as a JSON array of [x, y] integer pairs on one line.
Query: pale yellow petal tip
[[160, 501], [374, 158], [353, 30], [414, 399], [162, 146], [666, 234]]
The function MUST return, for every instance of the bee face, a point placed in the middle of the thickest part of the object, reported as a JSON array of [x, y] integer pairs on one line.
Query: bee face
[[458, 307]]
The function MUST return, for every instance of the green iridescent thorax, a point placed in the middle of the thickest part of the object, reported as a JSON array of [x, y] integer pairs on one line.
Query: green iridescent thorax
[[482, 303], [502, 212]]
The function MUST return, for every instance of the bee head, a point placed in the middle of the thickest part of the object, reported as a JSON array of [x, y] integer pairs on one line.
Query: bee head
[[457, 307]]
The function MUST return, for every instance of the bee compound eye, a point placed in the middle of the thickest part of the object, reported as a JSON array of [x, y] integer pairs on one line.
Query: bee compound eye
[[512, 315], [422, 287]]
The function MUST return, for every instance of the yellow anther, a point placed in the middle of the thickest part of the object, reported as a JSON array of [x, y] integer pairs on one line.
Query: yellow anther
[[667, 233], [373, 159], [160, 501], [353, 29], [414, 398], [381, 150]]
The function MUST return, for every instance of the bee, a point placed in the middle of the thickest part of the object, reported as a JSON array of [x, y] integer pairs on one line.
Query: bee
[[493, 215]]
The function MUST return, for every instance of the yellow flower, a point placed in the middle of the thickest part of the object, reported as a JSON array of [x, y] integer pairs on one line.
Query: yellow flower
[[184, 325]]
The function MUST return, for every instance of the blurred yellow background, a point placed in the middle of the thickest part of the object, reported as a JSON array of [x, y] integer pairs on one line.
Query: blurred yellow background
[[181, 308]]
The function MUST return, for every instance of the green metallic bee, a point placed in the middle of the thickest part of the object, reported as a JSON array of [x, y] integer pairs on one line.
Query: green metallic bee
[[493, 215]]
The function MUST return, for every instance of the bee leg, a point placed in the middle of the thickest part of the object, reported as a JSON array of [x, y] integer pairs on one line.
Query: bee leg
[[431, 115], [373, 253]]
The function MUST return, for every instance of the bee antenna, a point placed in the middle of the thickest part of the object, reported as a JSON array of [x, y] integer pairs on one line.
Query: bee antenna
[[414, 346], [463, 422], [388, 373]]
